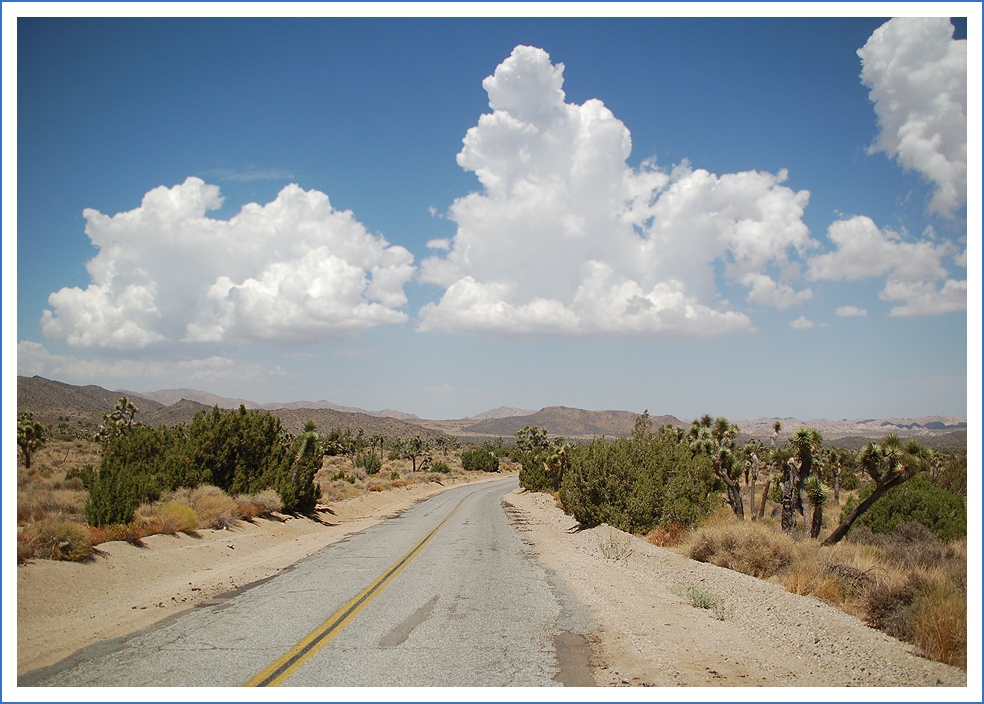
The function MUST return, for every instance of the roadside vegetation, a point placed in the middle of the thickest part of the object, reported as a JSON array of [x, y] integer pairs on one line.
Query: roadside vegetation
[[129, 481], [879, 532]]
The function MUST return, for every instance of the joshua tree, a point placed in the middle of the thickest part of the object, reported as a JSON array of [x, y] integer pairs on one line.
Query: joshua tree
[[117, 421], [375, 441], [414, 447], [816, 494], [889, 464], [752, 468], [806, 441], [31, 436], [716, 438]]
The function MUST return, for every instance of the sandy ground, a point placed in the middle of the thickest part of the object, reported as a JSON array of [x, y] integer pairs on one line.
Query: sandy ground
[[648, 632]]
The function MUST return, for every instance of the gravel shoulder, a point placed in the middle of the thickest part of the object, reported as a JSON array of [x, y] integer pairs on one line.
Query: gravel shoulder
[[648, 633], [757, 635]]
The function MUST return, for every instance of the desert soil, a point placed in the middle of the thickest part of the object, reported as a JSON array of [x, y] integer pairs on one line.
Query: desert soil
[[648, 633]]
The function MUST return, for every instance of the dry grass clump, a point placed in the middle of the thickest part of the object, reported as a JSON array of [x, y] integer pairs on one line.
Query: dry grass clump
[[171, 517], [263, 503], [37, 501], [752, 548], [938, 619], [54, 540], [668, 536], [214, 507]]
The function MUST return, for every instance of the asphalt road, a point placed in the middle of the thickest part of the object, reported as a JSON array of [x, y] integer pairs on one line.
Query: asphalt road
[[445, 594]]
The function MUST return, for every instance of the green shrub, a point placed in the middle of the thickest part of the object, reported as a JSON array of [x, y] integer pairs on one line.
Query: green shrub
[[344, 476], [298, 491], [479, 459], [113, 496], [635, 484], [533, 474], [441, 467], [369, 461], [917, 500]]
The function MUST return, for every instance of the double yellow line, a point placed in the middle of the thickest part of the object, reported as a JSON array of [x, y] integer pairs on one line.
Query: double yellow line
[[285, 666]]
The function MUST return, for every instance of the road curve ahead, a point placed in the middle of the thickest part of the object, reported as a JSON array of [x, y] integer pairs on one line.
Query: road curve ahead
[[445, 594]]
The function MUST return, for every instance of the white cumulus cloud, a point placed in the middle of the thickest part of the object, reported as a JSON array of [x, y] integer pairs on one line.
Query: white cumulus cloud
[[917, 76], [850, 312], [801, 323], [292, 271], [566, 238], [914, 270]]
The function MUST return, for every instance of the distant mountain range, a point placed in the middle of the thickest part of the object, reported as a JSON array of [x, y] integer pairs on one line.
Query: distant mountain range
[[81, 407], [169, 396]]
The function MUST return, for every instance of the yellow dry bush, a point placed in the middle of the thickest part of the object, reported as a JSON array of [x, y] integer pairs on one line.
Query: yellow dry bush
[[173, 517], [214, 507]]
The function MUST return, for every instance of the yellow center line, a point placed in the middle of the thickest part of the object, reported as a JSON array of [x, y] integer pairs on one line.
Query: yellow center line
[[282, 668]]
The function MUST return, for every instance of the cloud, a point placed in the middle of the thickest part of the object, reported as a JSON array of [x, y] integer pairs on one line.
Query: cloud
[[850, 312], [565, 238], [917, 76], [801, 323], [764, 290], [292, 271], [914, 270], [35, 359]]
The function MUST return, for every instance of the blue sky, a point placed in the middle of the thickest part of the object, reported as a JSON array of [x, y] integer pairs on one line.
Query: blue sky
[[445, 215]]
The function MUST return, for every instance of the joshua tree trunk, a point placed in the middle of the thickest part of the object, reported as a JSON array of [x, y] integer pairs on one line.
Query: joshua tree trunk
[[751, 497], [817, 521], [880, 488], [789, 495], [837, 485], [765, 497], [734, 497]]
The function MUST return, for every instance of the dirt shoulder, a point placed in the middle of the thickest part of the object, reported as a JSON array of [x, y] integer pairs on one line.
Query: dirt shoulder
[[754, 633], [648, 631]]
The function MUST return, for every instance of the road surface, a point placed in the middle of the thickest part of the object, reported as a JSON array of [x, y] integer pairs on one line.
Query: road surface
[[445, 594]]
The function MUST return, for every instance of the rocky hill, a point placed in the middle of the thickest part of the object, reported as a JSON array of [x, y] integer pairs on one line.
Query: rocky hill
[[862, 428], [71, 409], [572, 423], [170, 396], [501, 412], [80, 408]]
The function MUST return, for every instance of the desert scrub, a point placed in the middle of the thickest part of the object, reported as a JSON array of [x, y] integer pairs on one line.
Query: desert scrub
[[55, 540], [441, 467], [752, 548], [938, 619], [262, 503], [615, 545], [214, 507], [701, 598], [172, 517], [369, 462], [36, 502]]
